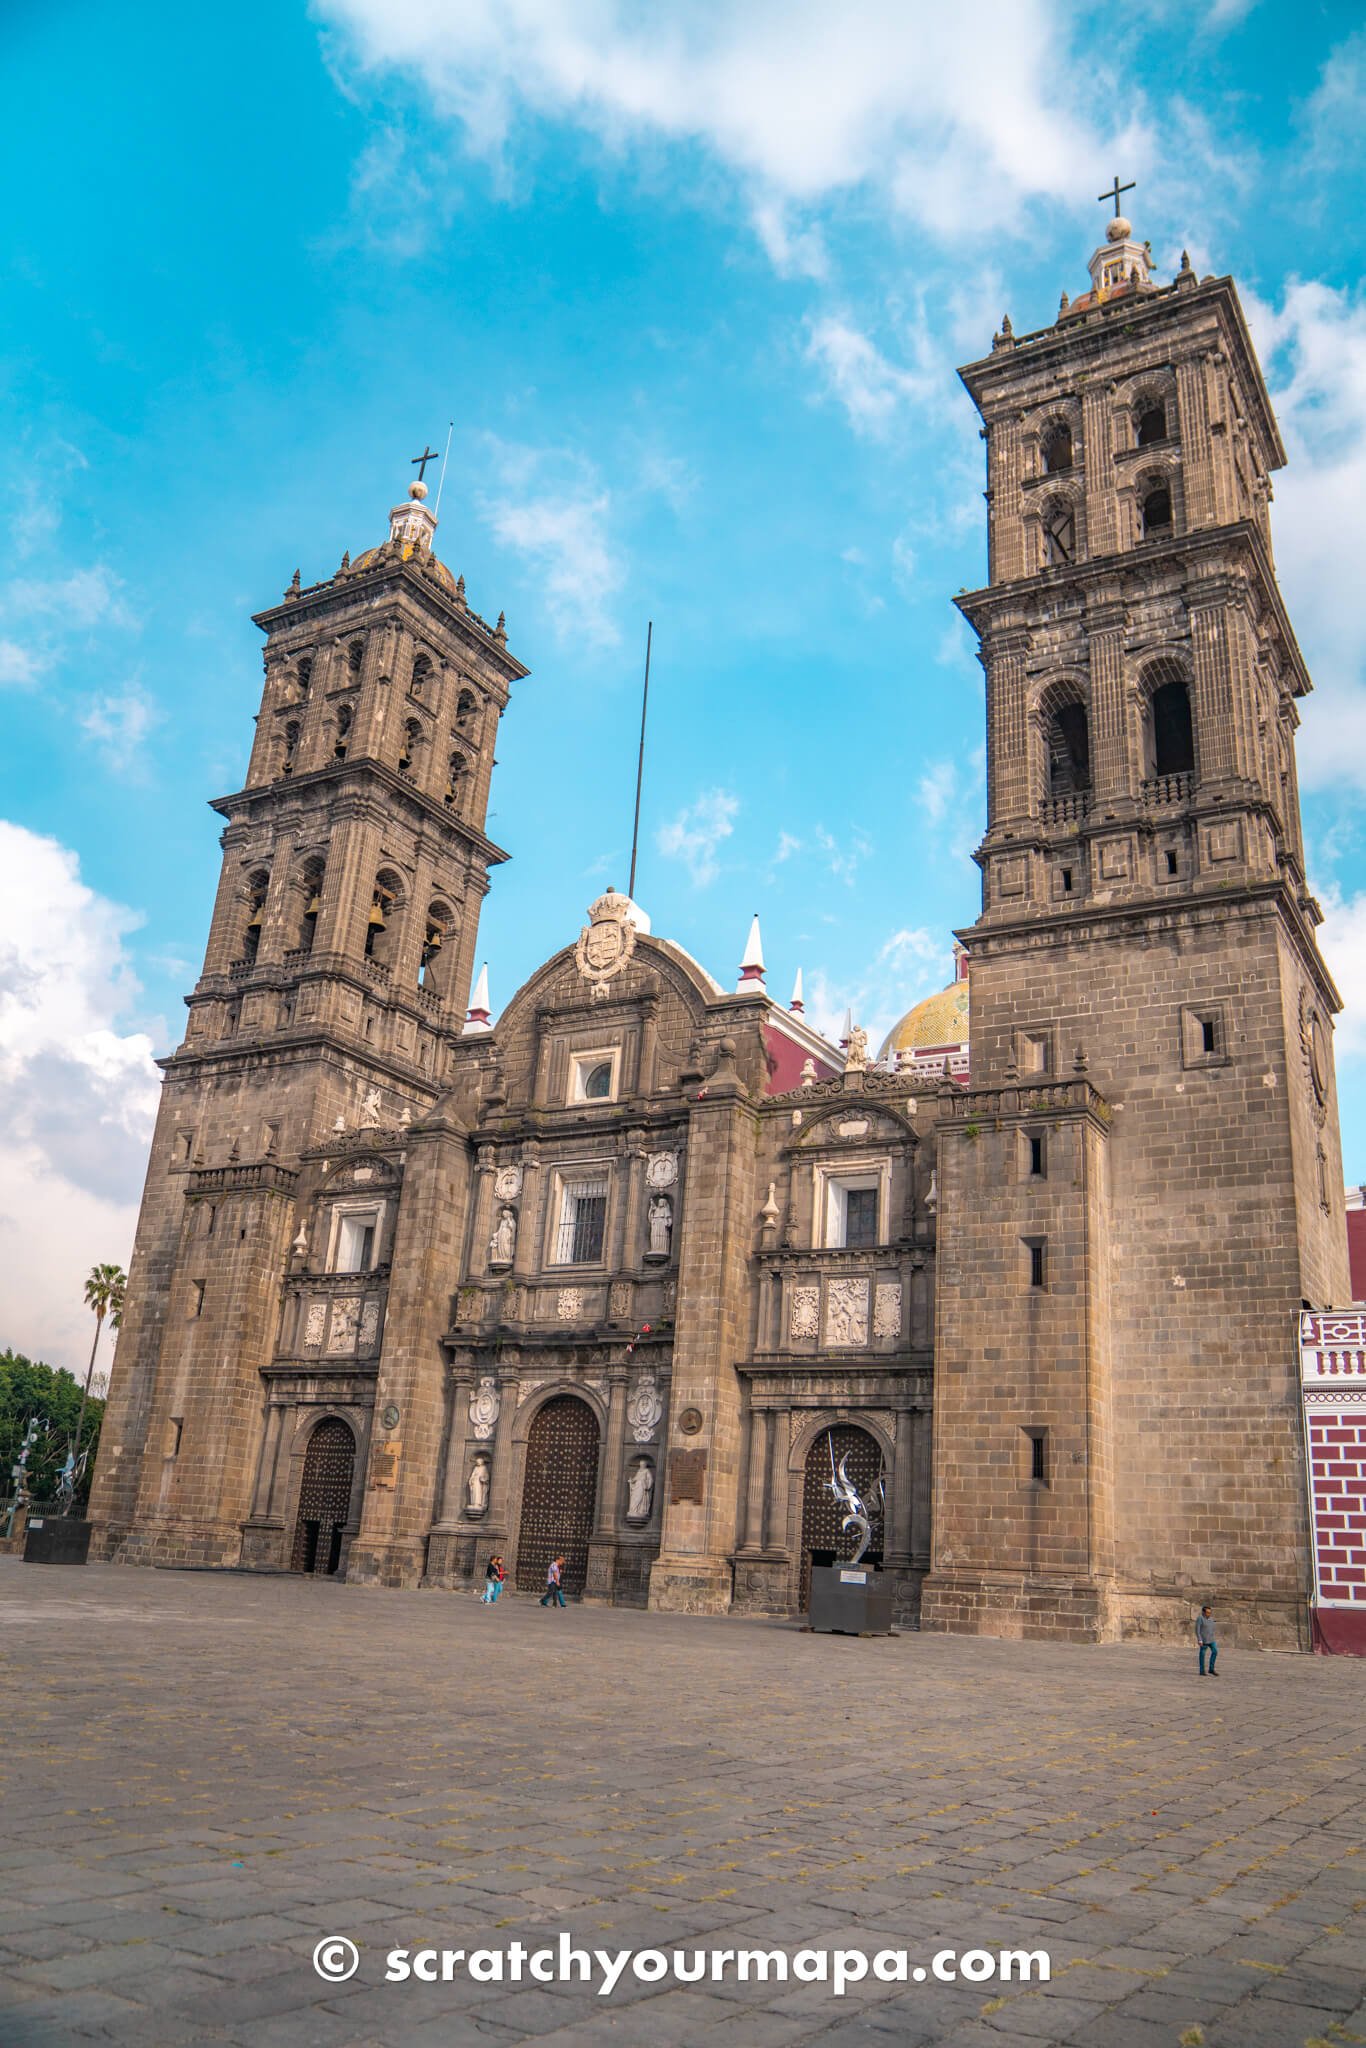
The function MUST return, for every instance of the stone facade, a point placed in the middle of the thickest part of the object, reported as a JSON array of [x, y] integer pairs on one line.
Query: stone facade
[[624, 1274]]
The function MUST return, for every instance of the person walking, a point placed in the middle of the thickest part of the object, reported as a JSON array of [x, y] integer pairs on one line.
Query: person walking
[[554, 1587], [494, 1575], [1204, 1636]]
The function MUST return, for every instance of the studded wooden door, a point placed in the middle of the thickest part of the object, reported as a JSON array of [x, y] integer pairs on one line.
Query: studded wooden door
[[823, 1540], [324, 1498], [559, 1492]]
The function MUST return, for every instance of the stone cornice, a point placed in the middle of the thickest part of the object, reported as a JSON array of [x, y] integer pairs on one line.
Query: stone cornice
[[375, 804]]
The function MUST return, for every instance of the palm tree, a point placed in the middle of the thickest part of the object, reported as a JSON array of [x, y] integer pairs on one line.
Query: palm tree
[[104, 1291]]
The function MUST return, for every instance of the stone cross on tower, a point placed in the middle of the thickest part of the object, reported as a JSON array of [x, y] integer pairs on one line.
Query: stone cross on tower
[[1114, 193]]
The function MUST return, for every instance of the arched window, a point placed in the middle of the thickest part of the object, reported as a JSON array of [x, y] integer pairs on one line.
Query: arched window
[[597, 1082], [290, 747], [1173, 735], [1157, 510], [466, 706], [355, 655], [1059, 534], [1057, 447], [345, 717], [304, 674], [1152, 423], [413, 738], [422, 674], [455, 770], [311, 891], [431, 973], [381, 925], [1069, 751], [257, 886]]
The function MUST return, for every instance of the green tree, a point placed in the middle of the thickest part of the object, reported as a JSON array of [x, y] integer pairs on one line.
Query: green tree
[[29, 1388], [104, 1291]]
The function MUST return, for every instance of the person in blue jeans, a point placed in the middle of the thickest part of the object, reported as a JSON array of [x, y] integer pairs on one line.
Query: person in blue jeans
[[554, 1590], [1204, 1636], [494, 1575]]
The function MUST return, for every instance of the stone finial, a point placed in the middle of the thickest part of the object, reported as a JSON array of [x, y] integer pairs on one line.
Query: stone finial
[[1012, 1066], [1080, 1063], [1185, 276], [797, 1005], [460, 592], [293, 590], [724, 1078], [751, 980], [345, 563], [808, 1077], [770, 1212], [477, 1019], [1063, 303], [500, 631], [1006, 337]]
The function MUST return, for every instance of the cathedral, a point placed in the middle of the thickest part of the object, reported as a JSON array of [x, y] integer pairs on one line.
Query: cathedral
[[625, 1273]]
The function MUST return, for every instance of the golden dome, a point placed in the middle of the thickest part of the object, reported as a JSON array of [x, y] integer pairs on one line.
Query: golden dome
[[373, 556], [939, 1020]]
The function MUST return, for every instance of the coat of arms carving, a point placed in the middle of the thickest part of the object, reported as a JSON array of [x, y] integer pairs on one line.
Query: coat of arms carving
[[606, 942]]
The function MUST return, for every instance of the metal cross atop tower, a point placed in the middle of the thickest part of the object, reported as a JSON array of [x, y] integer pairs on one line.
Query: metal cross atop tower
[[429, 455], [1115, 192]]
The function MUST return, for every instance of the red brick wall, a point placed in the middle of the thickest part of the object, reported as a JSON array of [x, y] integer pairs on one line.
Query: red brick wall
[[1333, 1349]]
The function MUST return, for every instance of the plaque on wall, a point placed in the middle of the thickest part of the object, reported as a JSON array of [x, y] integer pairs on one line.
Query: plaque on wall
[[687, 1477], [690, 1421]]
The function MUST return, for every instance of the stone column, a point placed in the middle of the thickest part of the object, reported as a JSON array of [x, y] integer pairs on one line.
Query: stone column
[[923, 1466], [451, 1499], [497, 1522], [897, 1534], [1008, 792], [1109, 750], [265, 1471], [760, 1440], [602, 1548]]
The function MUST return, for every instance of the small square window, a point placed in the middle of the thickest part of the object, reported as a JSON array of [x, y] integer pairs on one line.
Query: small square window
[[593, 1075], [1205, 1036], [1067, 881], [1173, 864]]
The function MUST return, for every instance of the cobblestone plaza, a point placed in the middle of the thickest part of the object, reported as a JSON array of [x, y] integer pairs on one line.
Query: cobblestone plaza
[[203, 1774]]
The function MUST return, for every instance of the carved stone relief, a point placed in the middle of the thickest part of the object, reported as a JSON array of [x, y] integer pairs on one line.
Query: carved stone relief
[[345, 1322], [316, 1324], [569, 1304], [846, 1312], [485, 1406], [887, 1311], [369, 1324], [644, 1408]]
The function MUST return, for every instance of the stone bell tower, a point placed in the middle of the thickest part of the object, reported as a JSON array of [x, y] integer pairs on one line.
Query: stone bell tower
[[336, 974], [1144, 1180]]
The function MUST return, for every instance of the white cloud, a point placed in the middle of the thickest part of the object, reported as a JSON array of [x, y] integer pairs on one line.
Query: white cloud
[[552, 510], [869, 387], [697, 833], [911, 963], [1314, 349], [403, 197], [931, 108], [1342, 938], [937, 790], [78, 1095], [843, 855], [788, 844], [120, 726], [45, 613]]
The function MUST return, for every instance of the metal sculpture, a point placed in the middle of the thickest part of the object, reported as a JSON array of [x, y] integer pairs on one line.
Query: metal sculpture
[[859, 1516]]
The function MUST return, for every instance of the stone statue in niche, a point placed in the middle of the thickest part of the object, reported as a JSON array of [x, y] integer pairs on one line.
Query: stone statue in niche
[[856, 1058], [370, 1110], [477, 1487], [503, 1243], [661, 1225], [640, 1491]]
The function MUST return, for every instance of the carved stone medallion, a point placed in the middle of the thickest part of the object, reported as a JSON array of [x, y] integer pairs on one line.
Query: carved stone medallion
[[661, 1169], [485, 1405], [508, 1183], [644, 1408], [569, 1304], [803, 1311], [606, 942], [887, 1311]]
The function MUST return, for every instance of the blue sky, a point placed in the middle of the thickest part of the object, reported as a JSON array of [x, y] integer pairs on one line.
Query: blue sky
[[692, 284]]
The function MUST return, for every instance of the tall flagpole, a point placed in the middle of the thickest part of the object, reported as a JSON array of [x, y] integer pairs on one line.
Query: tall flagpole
[[640, 762]]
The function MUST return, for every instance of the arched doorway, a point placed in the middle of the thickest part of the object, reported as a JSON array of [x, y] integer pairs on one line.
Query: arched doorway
[[559, 1492], [823, 1541], [324, 1498]]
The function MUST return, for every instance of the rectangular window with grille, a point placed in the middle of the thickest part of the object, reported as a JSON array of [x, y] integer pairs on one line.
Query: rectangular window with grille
[[860, 1216], [583, 1219]]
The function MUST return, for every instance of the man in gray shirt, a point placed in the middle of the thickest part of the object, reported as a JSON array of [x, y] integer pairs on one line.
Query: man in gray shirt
[[1204, 1635]]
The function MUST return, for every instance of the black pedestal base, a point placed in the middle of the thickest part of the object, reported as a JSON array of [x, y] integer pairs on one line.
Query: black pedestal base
[[850, 1600], [56, 1539]]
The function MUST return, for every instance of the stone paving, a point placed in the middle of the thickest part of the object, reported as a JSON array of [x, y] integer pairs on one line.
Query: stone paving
[[203, 1774]]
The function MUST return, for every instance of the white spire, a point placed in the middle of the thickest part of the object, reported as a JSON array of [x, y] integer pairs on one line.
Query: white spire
[[478, 1018], [847, 1032], [797, 1003], [752, 966]]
